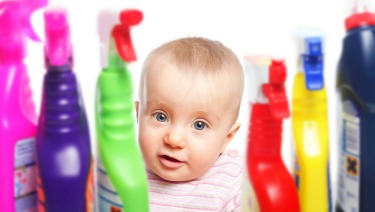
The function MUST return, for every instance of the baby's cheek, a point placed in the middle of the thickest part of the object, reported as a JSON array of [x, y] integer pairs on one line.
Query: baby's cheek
[[145, 146], [203, 163], [147, 154]]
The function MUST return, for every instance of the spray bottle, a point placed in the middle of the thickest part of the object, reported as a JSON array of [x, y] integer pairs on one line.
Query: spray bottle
[[17, 110], [63, 140], [122, 182], [356, 118], [310, 123], [273, 185]]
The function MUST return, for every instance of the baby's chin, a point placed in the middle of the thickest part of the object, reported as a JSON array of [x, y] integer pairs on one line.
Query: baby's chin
[[174, 176]]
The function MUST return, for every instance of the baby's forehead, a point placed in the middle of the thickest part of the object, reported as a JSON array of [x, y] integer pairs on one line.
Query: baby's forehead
[[224, 81], [206, 87], [190, 72]]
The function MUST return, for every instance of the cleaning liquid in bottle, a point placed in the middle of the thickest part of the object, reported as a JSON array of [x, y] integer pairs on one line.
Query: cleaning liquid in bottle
[[310, 123], [272, 184], [17, 110], [122, 182], [356, 117], [63, 140]]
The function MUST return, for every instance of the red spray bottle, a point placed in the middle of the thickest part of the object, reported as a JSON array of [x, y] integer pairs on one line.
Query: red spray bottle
[[272, 185]]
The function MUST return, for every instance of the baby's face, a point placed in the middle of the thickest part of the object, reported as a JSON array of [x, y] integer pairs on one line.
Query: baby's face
[[185, 123]]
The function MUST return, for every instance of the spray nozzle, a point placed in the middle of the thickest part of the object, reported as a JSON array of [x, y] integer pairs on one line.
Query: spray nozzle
[[15, 25], [359, 6], [58, 48], [266, 79], [117, 27], [310, 51], [121, 33]]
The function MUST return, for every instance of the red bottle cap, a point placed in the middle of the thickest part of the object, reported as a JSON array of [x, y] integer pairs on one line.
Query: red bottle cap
[[360, 19]]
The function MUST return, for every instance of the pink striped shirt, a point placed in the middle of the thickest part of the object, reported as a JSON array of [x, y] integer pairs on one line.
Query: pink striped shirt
[[217, 190]]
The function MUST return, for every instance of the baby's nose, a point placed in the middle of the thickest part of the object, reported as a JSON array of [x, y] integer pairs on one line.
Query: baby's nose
[[175, 138]]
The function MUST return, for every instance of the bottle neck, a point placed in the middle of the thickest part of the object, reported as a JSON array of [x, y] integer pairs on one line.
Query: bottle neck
[[8, 56], [59, 69], [62, 105], [115, 62], [265, 133], [12, 47]]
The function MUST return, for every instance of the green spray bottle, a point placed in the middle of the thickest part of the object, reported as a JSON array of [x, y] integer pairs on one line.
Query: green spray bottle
[[122, 182]]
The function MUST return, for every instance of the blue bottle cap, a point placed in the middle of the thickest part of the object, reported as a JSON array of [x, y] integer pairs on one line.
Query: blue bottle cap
[[310, 47], [312, 62]]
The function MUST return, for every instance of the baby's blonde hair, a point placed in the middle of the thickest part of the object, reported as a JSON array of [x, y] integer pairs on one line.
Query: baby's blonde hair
[[200, 56]]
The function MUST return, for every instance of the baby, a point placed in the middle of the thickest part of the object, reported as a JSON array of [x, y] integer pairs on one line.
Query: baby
[[190, 96]]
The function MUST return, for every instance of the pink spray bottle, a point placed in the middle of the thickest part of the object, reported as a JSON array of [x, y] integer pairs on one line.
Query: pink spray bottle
[[17, 110]]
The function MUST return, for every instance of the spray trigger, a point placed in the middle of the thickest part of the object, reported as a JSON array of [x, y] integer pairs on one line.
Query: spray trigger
[[275, 90], [313, 63], [121, 34], [26, 10]]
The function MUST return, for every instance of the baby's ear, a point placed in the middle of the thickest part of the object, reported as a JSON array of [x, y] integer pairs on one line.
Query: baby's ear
[[136, 105], [233, 130]]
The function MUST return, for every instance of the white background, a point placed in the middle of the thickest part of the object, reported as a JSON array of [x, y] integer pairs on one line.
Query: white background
[[247, 27]]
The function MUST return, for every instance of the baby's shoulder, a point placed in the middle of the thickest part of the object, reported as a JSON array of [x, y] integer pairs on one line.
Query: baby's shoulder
[[231, 158], [228, 167]]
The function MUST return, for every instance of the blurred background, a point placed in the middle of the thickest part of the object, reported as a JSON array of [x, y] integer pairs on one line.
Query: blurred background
[[247, 27]]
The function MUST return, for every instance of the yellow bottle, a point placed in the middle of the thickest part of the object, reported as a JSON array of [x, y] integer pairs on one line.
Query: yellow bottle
[[310, 125]]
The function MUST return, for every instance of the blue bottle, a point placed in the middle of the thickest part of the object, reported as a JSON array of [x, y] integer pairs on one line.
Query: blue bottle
[[356, 118]]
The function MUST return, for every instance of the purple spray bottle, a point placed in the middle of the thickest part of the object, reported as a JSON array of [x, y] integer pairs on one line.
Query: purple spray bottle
[[63, 141]]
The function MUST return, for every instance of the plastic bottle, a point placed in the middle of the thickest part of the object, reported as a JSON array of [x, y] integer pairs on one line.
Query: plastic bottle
[[122, 183], [63, 140], [310, 123], [273, 186], [17, 110], [356, 117]]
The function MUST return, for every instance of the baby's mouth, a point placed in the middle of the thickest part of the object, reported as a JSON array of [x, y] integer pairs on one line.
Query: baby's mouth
[[170, 162], [171, 159]]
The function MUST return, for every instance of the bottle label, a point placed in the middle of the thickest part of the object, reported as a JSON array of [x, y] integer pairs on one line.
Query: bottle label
[[108, 199], [349, 159], [296, 172], [90, 193], [249, 199], [25, 176]]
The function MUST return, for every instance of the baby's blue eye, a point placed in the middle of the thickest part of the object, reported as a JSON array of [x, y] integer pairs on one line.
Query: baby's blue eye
[[160, 117], [199, 125]]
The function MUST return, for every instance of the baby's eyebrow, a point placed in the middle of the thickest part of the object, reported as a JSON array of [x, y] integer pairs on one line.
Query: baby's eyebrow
[[203, 114], [155, 103]]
